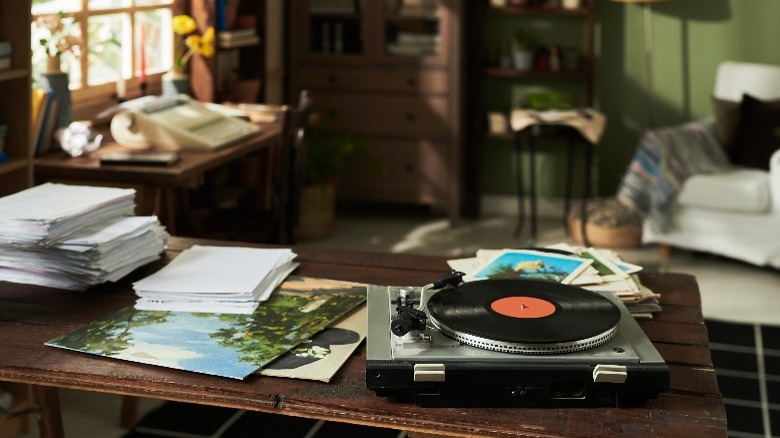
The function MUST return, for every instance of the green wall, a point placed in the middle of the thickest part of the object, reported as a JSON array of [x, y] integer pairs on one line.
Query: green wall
[[690, 39]]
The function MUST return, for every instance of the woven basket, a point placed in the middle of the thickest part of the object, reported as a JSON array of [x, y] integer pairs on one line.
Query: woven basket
[[610, 224]]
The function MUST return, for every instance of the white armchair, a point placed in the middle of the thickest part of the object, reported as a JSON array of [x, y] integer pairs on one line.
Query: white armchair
[[736, 212]]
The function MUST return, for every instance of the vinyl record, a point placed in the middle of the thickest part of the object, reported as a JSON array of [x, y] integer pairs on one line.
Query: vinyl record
[[524, 316]]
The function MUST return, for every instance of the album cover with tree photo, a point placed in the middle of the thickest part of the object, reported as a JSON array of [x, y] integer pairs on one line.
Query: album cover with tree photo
[[227, 345]]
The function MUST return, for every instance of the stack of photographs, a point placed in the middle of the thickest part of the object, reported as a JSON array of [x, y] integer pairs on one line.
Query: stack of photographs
[[589, 268]]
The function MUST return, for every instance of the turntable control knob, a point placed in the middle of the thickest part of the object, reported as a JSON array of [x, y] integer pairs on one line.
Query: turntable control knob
[[406, 320], [402, 324]]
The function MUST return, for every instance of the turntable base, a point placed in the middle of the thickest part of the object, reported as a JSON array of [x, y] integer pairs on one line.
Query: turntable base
[[496, 343]]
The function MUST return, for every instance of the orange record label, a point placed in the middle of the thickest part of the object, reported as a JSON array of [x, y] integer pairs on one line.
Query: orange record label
[[523, 307]]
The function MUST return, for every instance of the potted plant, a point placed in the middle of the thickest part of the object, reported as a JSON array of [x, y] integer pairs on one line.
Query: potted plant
[[328, 155], [244, 86], [521, 51]]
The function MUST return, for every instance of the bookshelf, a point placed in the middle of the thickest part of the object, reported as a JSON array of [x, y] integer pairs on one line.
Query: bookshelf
[[501, 83], [212, 78], [16, 170], [15, 83]]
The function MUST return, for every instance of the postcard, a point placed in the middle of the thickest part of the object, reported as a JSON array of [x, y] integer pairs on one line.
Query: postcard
[[228, 345], [603, 265], [530, 264], [628, 268]]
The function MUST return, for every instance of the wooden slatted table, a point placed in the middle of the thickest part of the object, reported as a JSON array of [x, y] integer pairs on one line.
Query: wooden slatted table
[[30, 316], [159, 188]]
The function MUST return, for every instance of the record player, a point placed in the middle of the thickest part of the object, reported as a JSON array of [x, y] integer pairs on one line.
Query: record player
[[508, 343]]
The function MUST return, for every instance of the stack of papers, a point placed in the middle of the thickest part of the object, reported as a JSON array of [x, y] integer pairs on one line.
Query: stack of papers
[[95, 255], [589, 268], [216, 279], [73, 237], [49, 213]]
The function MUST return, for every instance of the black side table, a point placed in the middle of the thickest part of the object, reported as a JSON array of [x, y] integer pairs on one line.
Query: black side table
[[573, 136]]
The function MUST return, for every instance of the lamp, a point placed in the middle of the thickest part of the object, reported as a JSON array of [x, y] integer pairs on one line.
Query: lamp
[[648, 38]]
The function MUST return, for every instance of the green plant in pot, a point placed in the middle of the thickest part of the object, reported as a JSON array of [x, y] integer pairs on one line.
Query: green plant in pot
[[522, 55], [329, 153]]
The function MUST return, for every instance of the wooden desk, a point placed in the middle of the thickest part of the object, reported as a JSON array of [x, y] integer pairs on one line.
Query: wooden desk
[[162, 182], [30, 315]]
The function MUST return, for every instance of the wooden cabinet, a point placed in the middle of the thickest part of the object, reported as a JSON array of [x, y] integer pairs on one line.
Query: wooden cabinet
[[391, 73], [15, 85]]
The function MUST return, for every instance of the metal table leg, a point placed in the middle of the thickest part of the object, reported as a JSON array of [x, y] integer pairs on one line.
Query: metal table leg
[[519, 175], [586, 192], [568, 188], [532, 153]]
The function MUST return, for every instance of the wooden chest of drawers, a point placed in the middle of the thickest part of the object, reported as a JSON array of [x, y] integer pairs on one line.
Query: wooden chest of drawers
[[406, 110]]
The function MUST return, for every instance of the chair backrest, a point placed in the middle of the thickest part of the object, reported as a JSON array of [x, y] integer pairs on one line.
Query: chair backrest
[[734, 79], [295, 127]]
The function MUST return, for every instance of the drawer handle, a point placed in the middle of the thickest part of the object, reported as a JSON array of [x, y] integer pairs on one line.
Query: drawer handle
[[410, 117], [411, 82]]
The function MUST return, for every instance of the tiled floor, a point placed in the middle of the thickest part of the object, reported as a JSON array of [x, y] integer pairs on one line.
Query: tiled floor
[[731, 291]]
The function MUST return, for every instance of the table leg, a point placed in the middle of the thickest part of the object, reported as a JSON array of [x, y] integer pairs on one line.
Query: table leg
[[586, 192], [567, 188], [171, 201], [129, 413], [520, 194], [50, 418], [532, 152]]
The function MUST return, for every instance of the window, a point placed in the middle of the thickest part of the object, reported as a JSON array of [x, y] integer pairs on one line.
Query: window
[[121, 41]]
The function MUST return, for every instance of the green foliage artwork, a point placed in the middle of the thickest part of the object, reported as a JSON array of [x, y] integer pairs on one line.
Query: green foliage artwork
[[220, 344]]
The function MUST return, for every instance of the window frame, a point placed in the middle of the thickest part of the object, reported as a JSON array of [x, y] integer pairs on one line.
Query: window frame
[[88, 100]]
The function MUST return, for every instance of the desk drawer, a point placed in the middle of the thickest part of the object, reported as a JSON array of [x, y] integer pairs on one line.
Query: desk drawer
[[416, 173], [396, 81], [386, 115]]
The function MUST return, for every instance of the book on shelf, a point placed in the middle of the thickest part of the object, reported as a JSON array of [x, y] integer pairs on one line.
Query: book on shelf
[[5, 55], [238, 38], [3, 132], [332, 7], [38, 95], [5, 49], [47, 121], [418, 8], [236, 34]]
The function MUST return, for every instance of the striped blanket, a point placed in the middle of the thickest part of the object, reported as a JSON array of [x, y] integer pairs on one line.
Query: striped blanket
[[662, 162]]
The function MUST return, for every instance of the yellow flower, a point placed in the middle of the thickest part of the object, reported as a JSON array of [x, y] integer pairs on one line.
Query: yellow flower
[[202, 45], [183, 24]]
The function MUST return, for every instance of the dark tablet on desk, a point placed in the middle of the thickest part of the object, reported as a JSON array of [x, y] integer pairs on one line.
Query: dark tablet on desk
[[146, 158]]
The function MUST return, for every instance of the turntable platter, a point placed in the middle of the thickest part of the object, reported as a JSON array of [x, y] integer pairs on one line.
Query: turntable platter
[[524, 316]]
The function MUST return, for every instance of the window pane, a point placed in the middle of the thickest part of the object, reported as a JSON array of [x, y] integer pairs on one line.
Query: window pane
[[158, 40], [153, 2], [109, 48], [107, 4], [40, 7]]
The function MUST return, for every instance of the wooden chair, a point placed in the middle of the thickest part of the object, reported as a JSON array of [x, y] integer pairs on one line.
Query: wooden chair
[[271, 216]]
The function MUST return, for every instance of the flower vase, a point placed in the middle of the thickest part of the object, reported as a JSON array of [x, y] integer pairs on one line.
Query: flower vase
[[57, 81], [176, 81]]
